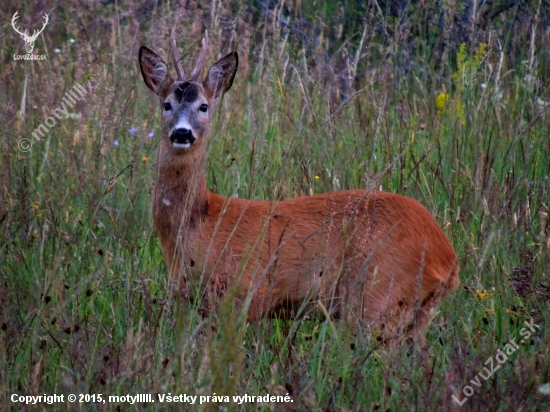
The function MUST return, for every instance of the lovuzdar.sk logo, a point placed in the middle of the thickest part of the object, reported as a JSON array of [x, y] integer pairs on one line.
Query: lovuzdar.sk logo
[[29, 40]]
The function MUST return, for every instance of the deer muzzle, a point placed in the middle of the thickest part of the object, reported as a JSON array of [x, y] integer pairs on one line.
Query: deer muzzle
[[182, 138]]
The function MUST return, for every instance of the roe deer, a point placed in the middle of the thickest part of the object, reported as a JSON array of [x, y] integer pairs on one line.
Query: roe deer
[[375, 257]]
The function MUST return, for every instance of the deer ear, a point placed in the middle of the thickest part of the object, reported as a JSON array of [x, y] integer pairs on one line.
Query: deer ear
[[220, 76], [153, 69]]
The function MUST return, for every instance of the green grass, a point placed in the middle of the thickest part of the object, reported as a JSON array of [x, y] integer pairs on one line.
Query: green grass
[[85, 304]]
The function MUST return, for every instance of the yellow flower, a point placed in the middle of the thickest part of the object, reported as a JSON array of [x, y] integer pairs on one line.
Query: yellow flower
[[491, 310], [482, 295], [316, 177], [144, 159], [440, 103]]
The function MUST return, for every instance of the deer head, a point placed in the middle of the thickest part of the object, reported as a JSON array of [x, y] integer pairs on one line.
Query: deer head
[[29, 40], [186, 104]]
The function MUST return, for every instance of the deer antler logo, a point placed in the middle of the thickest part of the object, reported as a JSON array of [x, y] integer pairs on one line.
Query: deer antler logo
[[29, 40]]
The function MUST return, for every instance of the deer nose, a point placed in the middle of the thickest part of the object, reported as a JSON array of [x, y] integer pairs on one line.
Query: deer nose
[[182, 138]]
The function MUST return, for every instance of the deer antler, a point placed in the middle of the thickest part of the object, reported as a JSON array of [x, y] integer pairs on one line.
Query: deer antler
[[175, 53], [176, 56], [14, 18], [35, 33], [202, 57]]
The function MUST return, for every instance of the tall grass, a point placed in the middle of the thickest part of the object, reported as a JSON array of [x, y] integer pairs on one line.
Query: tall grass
[[326, 98]]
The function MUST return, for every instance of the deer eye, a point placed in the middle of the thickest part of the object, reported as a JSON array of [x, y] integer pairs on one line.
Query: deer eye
[[203, 108], [167, 107]]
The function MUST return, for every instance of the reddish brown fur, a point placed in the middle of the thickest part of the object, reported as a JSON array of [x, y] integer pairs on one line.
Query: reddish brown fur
[[370, 256]]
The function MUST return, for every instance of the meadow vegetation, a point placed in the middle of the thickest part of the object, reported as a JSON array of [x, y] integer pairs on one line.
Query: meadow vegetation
[[446, 102]]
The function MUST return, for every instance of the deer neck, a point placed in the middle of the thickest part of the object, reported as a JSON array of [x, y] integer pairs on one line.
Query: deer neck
[[180, 199]]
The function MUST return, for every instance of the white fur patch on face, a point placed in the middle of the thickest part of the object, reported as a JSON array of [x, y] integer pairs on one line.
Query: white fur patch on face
[[181, 145], [182, 124], [166, 202]]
